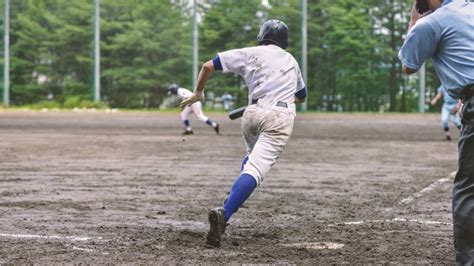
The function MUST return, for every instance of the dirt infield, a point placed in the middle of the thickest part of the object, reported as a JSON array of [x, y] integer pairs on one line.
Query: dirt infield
[[128, 188]]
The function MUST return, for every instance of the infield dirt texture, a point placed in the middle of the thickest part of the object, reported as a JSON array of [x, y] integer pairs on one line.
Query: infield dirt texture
[[128, 188]]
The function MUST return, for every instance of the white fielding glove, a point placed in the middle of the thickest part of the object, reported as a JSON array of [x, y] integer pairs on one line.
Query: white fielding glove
[[196, 96]]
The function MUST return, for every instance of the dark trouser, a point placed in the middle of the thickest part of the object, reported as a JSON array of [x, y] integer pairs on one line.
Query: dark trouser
[[463, 191]]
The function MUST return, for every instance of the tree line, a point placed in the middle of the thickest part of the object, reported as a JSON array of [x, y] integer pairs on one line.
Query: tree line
[[147, 44]]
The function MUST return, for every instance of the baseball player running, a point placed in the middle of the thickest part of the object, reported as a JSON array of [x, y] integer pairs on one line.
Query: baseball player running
[[196, 107], [274, 80], [449, 110]]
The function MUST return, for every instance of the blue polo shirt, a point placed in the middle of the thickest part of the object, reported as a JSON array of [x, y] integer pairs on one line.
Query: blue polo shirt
[[447, 36]]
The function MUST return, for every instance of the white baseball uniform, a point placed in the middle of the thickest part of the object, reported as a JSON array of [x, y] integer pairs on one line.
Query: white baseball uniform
[[273, 77], [196, 107]]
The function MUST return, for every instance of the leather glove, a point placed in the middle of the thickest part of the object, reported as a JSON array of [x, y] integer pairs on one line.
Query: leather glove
[[196, 96]]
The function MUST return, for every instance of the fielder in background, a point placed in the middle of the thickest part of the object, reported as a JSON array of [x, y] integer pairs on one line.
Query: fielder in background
[[449, 110], [274, 80], [227, 101], [446, 34], [196, 107]]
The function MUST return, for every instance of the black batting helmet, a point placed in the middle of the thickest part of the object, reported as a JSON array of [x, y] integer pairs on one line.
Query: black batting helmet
[[173, 88], [273, 32]]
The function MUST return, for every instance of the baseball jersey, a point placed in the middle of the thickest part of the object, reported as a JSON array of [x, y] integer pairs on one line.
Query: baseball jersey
[[447, 36], [270, 73], [446, 98], [184, 94]]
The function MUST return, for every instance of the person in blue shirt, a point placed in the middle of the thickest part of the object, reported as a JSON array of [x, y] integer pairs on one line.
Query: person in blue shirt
[[448, 111], [446, 35], [227, 100]]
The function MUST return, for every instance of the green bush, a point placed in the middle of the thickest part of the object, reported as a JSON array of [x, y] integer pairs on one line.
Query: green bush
[[72, 102], [80, 102], [45, 104], [92, 104]]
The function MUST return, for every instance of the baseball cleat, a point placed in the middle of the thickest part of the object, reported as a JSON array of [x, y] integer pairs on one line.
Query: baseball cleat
[[188, 132], [217, 227], [216, 129]]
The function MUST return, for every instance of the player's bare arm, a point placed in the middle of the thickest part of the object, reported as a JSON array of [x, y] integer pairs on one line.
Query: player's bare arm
[[206, 71], [435, 100], [408, 70], [198, 95]]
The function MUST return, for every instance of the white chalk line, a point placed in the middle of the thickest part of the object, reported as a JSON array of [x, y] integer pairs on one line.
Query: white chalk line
[[55, 237], [71, 238], [316, 245], [428, 189], [394, 220], [82, 249]]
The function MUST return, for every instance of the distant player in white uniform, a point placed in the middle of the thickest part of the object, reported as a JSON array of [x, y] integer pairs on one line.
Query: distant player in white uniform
[[274, 80], [449, 110], [227, 100], [196, 107]]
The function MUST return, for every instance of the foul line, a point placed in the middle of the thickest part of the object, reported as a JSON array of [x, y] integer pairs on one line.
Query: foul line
[[83, 249], [316, 245], [394, 220], [71, 238], [428, 188]]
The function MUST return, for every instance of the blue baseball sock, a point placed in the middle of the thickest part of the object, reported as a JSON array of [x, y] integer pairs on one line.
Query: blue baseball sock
[[241, 190], [209, 122], [186, 123]]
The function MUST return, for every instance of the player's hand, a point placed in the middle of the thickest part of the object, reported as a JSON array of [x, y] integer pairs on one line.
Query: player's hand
[[433, 102], [454, 110], [415, 16], [459, 109], [196, 96]]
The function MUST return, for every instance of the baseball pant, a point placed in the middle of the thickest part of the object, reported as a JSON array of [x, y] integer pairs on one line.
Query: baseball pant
[[197, 109], [447, 113], [463, 192], [266, 131]]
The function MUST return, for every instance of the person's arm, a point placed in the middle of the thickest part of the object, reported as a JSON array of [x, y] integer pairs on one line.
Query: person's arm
[[232, 61], [435, 100], [206, 71], [300, 96], [301, 93], [408, 70], [415, 16], [420, 44], [198, 95]]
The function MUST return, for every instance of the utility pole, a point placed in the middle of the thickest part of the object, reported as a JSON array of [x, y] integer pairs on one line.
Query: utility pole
[[195, 44], [97, 52], [6, 54], [304, 48], [422, 78]]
